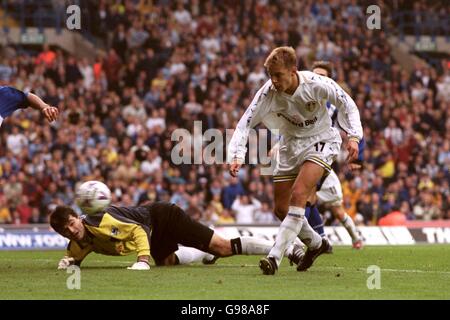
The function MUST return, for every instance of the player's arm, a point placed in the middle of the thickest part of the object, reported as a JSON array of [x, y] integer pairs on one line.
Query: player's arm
[[237, 147], [49, 112], [74, 255], [134, 232], [11, 99], [348, 115], [358, 163], [276, 147]]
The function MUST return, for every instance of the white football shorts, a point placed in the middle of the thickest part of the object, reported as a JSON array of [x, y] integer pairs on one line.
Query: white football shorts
[[293, 151], [331, 191]]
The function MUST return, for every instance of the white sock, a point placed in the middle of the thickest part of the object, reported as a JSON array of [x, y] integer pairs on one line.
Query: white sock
[[348, 223], [288, 231], [188, 255], [310, 237], [257, 246]]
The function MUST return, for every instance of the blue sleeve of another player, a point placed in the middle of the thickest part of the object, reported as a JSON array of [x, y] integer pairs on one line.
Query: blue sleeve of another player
[[11, 99], [361, 146]]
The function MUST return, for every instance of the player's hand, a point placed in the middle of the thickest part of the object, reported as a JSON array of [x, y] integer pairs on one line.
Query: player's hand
[[50, 113], [274, 150], [140, 265], [353, 149], [234, 168], [65, 262], [354, 166]]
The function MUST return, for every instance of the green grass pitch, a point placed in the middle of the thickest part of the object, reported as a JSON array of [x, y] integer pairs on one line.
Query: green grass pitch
[[407, 272]]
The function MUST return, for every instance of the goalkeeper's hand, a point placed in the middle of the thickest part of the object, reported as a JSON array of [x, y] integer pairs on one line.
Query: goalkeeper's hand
[[140, 265], [65, 262]]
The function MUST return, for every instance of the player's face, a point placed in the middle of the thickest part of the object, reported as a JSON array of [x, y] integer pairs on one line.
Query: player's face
[[321, 72], [283, 79], [74, 229]]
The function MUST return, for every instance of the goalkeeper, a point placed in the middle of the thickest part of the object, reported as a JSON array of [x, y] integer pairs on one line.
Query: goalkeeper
[[156, 229]]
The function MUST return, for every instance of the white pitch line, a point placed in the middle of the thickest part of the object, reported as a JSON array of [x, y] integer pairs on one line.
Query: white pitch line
[[358, 269], [15, 260], [390, 270], [416, 271], [248, 265], [56, 260]]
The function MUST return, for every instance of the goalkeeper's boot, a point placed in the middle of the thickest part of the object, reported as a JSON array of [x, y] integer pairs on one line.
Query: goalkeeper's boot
[[210, 259], [312, 255], [268, 265]]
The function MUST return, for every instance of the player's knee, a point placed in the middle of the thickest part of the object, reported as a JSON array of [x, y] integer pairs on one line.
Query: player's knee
[[338, 210], [312, 199], [168, 261]]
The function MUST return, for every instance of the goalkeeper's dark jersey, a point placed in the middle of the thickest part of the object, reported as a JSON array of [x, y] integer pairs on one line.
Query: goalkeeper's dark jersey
[[117, 231], [125, 230]]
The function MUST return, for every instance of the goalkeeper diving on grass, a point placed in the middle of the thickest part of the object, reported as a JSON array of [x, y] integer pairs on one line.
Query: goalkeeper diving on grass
[[154, 230]]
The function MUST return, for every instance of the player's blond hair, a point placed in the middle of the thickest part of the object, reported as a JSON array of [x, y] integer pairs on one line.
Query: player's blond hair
[[282, 56]]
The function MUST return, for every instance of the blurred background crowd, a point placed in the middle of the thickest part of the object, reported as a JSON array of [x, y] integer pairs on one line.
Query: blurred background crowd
[[165, 64]]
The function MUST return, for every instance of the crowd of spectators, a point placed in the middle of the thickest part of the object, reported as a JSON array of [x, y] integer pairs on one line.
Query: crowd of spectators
[[170, 64]]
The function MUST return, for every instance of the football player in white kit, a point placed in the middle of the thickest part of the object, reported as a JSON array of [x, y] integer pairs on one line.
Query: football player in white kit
[[294, 102], [330, 193]]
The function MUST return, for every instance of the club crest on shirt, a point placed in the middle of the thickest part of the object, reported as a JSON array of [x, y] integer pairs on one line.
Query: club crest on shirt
[[114, 231], [310, 106]]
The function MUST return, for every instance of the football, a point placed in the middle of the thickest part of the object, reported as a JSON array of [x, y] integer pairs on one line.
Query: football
[[93, 196]]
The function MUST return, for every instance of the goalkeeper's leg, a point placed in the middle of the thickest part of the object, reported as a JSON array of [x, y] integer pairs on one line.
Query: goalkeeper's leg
[[186, 255], [222, 247]]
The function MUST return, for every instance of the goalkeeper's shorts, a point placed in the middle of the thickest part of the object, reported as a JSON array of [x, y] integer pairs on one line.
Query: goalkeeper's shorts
[[171, 226]]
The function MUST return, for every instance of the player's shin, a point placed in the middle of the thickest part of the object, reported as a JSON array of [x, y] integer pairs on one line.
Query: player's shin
[[348, 223], [251, 246], [188, 255], [256, 246], [288, 231]]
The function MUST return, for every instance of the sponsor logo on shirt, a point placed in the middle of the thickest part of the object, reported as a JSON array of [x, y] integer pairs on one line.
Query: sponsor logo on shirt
[[295, 120]]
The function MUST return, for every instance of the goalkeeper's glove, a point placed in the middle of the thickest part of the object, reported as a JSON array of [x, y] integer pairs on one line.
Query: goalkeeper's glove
[[65, 262], [140, 265]]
